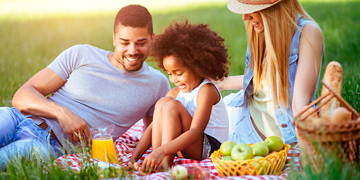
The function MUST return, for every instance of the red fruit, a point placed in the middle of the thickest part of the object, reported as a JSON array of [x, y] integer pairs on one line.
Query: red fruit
[[195, 172]]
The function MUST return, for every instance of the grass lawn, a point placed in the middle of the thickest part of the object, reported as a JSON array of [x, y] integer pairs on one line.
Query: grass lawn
[[31, 39]]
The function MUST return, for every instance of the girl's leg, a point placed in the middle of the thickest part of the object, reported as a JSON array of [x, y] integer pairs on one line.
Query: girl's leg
[[177, 120], [152, 134], [157, 124]]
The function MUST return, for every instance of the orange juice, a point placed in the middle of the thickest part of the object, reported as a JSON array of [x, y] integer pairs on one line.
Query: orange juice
[[103, 149]]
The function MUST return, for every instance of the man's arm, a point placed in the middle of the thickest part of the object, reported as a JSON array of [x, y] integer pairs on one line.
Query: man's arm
[[31, 99]]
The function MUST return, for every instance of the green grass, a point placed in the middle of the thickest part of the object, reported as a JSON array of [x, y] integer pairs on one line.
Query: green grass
[[34, 167], [29, 43]]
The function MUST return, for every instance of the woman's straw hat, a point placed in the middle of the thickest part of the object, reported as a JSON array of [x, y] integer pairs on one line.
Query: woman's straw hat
[[249, 6]]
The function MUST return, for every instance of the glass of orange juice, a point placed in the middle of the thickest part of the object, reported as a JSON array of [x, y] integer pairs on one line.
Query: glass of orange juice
[[102, 144]]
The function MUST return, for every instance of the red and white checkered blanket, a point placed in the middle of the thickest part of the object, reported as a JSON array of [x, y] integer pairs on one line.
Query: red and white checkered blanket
[[75, 161]]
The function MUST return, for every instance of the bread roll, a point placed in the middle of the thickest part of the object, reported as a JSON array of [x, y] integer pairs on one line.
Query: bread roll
[[333, 77], [340, 115]]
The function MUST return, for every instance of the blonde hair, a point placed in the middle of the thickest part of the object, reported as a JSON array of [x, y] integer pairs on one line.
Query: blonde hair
[[279, 27]]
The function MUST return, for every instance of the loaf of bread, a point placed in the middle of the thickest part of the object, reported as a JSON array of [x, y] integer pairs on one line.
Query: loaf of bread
[[333, 77]]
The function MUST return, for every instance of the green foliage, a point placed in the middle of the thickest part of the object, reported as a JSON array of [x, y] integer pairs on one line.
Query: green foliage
[[326, 165], [36, 166], [27, 46], [342, 42], [32, 167]]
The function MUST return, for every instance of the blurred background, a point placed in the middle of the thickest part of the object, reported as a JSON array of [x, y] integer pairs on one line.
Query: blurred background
[[34, 32], [39, 7]]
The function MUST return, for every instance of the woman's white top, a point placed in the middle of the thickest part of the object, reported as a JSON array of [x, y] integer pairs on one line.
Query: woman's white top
[[262, 110]]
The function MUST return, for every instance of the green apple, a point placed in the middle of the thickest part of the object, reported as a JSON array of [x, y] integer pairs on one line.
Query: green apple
[[179, 172], [257, 157], [274, 143], [227, 158], [260, 168], [241, 151], [225, 148], [260, 149]]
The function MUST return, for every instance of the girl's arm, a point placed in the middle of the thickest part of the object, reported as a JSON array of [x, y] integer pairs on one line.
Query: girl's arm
[[143, 145], [310, 52], [230, 83], [147, 121]]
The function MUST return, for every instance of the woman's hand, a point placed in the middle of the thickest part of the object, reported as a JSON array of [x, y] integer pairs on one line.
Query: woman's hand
[[152, 161], [230, 83]]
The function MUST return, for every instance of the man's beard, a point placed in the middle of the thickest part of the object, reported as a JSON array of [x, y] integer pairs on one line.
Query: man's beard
[[135, 67]]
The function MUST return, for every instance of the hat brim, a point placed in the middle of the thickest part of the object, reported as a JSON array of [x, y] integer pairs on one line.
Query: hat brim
[[241, 8]]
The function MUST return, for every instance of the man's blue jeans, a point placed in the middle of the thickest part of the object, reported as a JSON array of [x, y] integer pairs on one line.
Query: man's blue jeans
[[20, 136]]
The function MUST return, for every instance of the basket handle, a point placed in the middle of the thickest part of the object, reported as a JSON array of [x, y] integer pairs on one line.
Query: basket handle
[[332, 93], [297, 117]]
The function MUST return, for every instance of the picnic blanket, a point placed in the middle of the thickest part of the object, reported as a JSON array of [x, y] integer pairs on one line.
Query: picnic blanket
[[76, 161]]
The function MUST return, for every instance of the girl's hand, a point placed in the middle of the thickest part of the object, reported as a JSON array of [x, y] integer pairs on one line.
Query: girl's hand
[[152, 161]]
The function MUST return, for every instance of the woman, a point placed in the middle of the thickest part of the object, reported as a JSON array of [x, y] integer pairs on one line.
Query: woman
[[283, 60]]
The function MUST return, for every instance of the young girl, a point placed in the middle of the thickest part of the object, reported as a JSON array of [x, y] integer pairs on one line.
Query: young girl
[[191, 121], [283, 61]]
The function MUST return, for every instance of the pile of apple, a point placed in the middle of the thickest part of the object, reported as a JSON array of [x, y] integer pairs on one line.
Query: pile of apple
[[179, 172], [242, 151]]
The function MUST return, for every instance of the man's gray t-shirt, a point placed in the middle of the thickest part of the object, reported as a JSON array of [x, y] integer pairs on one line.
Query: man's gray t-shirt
[[103, 94]]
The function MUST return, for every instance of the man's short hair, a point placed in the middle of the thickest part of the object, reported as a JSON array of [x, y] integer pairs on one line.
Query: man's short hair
[[134, 16]]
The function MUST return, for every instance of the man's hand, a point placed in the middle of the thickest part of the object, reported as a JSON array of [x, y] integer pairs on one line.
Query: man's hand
[[73, 126], [133, 145]]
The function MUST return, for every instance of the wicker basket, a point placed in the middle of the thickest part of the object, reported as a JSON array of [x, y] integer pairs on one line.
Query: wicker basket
[[270, 164], [316, 139]]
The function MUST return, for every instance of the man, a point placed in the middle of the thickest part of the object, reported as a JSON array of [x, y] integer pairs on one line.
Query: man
[[86, 87]]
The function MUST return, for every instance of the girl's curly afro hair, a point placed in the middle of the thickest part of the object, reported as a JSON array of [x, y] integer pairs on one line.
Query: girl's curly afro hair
[[196, 45]]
